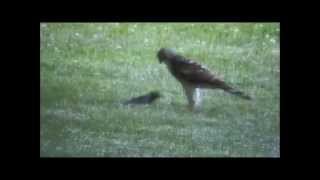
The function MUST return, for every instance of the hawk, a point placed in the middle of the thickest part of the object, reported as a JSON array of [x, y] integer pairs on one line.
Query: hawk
[[193, 76]]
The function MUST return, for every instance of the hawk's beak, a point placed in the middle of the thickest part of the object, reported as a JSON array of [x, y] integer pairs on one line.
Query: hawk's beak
[[159, 57], [160, 61]]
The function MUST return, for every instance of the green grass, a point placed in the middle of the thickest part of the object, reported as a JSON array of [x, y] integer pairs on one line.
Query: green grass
[[87, 69]]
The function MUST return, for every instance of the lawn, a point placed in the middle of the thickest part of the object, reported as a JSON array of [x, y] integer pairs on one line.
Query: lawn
[[87, 69]]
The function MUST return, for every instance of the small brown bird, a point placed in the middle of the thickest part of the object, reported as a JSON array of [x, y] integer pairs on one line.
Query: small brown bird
[[144, 99], [193, 76]]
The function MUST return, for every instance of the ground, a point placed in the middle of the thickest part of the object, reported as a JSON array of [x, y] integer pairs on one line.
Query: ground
[[87, 69]]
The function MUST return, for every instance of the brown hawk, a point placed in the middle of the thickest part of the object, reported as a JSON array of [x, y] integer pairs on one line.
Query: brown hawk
[[193, 76]]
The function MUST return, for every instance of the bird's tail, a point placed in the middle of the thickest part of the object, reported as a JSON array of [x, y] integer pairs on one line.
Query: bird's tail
[[239, 94], [218, 83]]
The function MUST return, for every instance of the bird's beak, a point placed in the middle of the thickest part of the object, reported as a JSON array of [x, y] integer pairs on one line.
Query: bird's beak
[[159, 58]]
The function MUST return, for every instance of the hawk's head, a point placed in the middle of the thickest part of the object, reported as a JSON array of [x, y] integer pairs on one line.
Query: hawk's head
[[165, 54]]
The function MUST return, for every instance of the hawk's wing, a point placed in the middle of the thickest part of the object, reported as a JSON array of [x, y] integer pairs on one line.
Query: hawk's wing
[[192, 72]]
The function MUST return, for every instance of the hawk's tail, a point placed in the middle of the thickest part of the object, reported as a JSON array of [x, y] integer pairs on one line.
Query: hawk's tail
[[239, 94]]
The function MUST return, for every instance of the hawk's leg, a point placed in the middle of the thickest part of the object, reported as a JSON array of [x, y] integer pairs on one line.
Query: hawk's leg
[[193, 95], [197, 97]]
